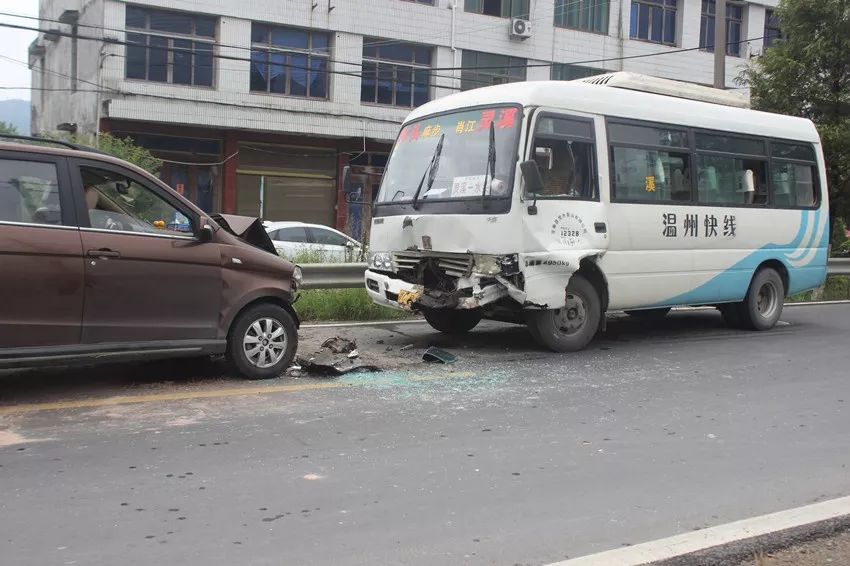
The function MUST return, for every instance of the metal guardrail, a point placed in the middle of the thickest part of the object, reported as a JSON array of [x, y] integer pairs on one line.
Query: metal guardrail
[[333, 275], [350, 275]]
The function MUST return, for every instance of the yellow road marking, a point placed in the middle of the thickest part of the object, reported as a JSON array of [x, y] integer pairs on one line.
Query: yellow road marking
[[178, 396]]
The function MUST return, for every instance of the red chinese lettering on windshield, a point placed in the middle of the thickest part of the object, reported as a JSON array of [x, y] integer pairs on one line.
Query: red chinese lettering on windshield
[[414, 133], [487, 118], [507, 118], [405, 133]]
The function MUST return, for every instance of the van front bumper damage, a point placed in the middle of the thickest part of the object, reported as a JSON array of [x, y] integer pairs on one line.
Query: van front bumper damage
[[456, 281]]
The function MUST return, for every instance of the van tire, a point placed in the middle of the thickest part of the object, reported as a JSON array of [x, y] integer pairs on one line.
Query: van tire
[[649, 314], [452, 321], [269, 319], [762, 306], [583, 301]]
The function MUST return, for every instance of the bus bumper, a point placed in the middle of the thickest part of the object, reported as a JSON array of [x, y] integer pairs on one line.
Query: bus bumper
[[385, 290]]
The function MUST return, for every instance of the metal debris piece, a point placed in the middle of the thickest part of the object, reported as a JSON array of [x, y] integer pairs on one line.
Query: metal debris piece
[[339, 345], [436, 355], [353, 354], [407, 347], [325, 363]]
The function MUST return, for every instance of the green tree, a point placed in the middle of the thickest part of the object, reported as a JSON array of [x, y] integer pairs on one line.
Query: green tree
[[127, 150], [807, 74], [6, 128]]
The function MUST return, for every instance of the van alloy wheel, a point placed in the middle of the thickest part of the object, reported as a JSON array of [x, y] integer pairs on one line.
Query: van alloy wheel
[[264, 342]]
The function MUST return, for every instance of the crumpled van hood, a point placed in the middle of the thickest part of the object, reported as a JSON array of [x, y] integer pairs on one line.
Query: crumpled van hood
[[247, 228]]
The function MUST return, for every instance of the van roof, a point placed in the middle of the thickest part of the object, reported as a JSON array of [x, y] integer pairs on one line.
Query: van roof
[[580, 96]]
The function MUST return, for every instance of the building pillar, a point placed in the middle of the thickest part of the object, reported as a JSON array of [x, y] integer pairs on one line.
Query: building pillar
[[228, 177]]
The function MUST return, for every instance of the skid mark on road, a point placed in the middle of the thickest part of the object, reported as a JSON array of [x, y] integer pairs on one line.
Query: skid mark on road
[[175, 396]]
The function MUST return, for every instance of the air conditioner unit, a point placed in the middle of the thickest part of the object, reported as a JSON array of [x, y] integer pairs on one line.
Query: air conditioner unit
[[520, 29]]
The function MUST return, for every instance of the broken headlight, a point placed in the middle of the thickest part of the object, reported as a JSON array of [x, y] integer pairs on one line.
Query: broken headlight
[[381, 261], [492, 265]]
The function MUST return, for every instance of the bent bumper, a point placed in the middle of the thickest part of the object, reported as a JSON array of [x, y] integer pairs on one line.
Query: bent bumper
[[384, 290]]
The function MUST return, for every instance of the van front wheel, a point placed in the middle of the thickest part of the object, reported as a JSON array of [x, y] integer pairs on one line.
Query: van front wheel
[[262, 342], [573, 326]]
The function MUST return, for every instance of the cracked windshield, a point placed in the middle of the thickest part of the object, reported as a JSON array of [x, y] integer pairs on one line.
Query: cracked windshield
[[451, 156]]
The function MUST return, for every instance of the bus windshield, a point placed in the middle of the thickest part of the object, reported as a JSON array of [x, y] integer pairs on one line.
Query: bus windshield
[[462, 167]]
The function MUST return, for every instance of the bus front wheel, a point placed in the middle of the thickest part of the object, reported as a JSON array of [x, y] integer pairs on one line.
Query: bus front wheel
[[573, 326]]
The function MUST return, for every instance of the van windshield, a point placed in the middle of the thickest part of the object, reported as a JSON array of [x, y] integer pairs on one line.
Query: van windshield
[[461, 166]]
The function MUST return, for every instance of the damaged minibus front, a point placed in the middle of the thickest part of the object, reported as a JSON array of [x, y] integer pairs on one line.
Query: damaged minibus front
[[455, 237]]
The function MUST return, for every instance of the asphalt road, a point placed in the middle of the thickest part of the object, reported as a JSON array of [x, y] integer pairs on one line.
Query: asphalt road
[[510, 456]]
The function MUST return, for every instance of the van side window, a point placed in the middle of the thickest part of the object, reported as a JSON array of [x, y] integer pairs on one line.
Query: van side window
[[651, 175], [731, 170], [29, 192], [118, 203], [565, 155]]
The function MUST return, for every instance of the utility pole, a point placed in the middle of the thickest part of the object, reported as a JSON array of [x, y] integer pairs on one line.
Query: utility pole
[[719, 44]]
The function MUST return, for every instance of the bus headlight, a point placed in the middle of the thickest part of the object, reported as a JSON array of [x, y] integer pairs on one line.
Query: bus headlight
[[381, 261]]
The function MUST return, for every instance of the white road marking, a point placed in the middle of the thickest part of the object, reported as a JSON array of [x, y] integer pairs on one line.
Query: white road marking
[[687, 543]]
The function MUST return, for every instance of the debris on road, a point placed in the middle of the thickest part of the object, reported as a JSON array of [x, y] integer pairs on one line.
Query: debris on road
[[436, 355], [406, 347], [353, 354], [294, 371], [340, 345]]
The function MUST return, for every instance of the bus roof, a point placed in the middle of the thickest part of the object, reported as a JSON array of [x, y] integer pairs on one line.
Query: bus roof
[[589, 98]]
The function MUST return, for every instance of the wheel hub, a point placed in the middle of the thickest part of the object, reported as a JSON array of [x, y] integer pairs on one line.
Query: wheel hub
[[264, 342]]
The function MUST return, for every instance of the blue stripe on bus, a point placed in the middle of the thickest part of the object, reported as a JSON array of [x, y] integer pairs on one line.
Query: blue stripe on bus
[[731, 284]]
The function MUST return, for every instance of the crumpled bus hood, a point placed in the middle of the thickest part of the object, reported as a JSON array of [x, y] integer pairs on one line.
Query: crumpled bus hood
[[247, 228]]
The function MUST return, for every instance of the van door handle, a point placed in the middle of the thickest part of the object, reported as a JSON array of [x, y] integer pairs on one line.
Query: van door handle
[[103, 252], [600, 227]]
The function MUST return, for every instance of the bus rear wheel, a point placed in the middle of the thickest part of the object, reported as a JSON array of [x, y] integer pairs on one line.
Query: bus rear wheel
[[761, 307], [573, 326]]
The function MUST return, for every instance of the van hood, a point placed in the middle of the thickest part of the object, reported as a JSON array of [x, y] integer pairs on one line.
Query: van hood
[[248, 229]]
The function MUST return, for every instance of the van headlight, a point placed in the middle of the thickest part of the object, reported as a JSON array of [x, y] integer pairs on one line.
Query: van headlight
[[297, 277], [382, 261]]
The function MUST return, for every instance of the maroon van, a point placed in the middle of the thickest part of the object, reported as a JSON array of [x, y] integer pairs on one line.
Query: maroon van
[[102, 261]]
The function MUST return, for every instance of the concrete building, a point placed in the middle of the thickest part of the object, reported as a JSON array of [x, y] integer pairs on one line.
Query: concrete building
[[256, 106]]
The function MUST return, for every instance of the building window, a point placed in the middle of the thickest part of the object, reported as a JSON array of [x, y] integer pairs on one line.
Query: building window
[[567, 72], [289, 61], [772, 33], [654, 20], [169, 47], [500, 8], [395, 74], [485, 69], [734, 25], [586, 15]]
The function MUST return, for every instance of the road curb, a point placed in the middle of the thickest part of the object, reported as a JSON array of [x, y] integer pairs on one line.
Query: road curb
[[732, 543]]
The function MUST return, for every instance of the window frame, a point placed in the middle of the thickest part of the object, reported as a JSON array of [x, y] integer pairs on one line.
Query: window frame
[[563, 24], [77, 164], [664, 10], [412, 66], [513, 62], [67, 202], [524, 15], [147, 32], [310, 53], [727, 21], [596, 188], [769, 40], [693, 156], [593, 71]]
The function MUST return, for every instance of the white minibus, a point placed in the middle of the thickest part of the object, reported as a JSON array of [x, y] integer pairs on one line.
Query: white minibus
[[551, 203]]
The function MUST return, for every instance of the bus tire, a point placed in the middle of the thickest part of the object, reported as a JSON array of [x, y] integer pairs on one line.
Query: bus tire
[[763, 303], [452, 321], [649, 314], [572, 327]]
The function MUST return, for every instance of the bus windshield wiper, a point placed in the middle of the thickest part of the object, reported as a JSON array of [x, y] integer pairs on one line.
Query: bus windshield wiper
[[430, 172], [491, 163]]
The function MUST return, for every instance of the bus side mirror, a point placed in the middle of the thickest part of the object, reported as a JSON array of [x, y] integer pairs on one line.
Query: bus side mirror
[[346, 179], [533, 181]]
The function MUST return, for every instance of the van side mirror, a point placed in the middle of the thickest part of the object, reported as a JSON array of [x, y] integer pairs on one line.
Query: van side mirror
[[206, 234], [533, 181], [346, 179]]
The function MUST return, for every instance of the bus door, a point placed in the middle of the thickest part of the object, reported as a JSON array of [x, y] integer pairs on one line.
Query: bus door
[[566, 220]]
